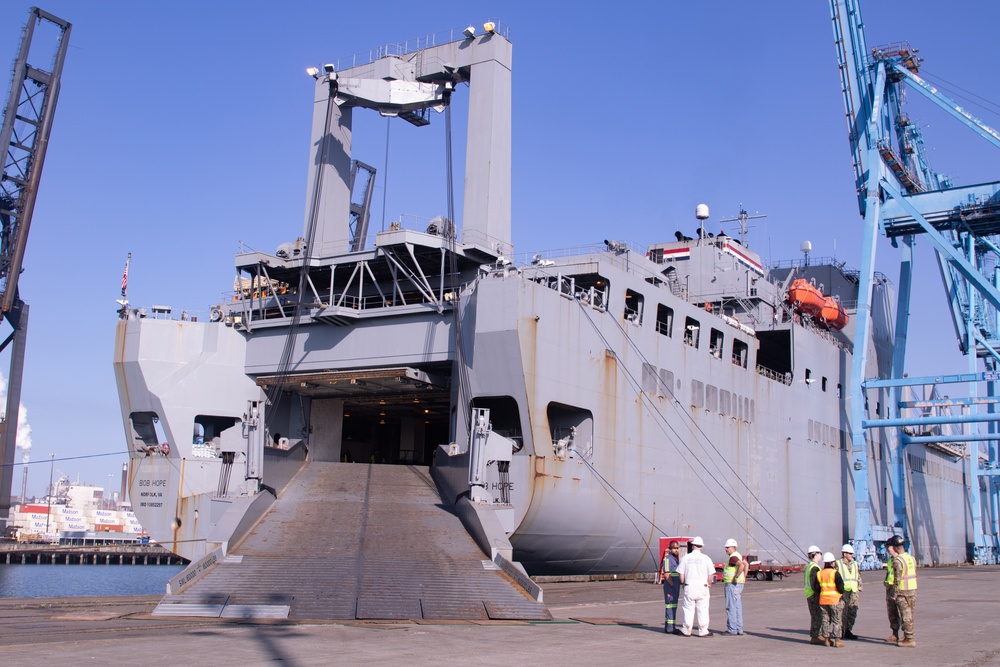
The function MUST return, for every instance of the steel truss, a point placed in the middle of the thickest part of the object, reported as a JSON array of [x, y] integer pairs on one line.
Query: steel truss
[[24, 136], [901, 197]]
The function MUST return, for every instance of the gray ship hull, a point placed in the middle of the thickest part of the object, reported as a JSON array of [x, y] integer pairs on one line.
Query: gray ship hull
[[573, 407]]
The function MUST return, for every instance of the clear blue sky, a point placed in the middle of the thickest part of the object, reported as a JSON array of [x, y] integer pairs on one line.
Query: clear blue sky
[[182, 129]]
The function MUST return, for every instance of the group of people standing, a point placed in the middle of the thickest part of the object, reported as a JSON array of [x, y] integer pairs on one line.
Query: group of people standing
[[832, 588], [689, 579]]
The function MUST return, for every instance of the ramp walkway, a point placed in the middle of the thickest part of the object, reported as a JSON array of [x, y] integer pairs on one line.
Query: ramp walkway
[[356, 541]]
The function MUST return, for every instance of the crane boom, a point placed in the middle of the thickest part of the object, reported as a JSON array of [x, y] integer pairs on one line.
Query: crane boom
[[900, 197], [24, 137]]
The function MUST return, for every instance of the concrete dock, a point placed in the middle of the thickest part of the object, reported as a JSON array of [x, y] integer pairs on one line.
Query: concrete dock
[[595, 623]]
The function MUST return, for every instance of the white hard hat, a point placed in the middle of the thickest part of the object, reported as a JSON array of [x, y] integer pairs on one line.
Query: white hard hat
[[847, 549], [731, 543], [813, 549], [697, 542], [828, 557]]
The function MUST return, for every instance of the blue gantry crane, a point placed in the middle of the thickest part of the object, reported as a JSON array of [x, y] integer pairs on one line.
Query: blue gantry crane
[[901, 197]]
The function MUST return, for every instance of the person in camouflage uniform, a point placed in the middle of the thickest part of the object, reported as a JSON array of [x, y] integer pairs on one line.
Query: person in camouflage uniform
[[830, 585], [900, 592], [812, 594]]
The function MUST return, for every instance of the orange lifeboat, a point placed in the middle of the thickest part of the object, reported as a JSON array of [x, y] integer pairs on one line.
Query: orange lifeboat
[[805, 297], [833, 314]]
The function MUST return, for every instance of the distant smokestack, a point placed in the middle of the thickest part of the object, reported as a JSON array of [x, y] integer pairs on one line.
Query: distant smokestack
[[24, 483]]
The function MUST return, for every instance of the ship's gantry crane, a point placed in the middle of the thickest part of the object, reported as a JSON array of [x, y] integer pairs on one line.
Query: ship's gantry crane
[[24, 136], [900, 197]]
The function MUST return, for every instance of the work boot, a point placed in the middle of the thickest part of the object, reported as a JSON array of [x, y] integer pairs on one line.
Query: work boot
[[836, 643], [909, 642], [850, 635], [892, 639], [821, 641]]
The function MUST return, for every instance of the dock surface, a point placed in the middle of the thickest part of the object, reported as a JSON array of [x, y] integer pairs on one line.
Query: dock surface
[[595, 623]]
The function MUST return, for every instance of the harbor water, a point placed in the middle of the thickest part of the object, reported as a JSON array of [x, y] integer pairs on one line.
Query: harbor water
[[40, 581]]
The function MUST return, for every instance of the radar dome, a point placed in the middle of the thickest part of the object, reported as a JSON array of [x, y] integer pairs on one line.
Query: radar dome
[[701, 211], [806, 246]]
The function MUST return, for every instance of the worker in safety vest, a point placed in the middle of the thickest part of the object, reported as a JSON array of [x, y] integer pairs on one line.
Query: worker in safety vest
[[900, 592], [671, 580], [830, 585], [812, 594], [851, 573], [734, 575]]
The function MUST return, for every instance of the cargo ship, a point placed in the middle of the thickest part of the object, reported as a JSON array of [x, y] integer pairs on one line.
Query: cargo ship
[[572, 406]]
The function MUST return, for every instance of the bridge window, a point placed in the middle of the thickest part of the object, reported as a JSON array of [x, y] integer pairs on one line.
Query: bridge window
[[147, 431], [633, 306], [572, 430], [664, 320], [504, 415], [716, 341], [692, 330], [740, 353]]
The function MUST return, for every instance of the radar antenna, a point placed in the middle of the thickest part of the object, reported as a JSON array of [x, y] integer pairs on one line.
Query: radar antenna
[[742, 220]]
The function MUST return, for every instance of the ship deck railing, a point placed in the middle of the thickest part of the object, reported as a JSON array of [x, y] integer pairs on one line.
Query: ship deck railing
[[405, 48], [770, 374]]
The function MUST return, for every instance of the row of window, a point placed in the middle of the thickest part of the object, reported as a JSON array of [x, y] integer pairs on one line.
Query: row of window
[[660, 382], [935, 469], [739, 353], [831, 436]]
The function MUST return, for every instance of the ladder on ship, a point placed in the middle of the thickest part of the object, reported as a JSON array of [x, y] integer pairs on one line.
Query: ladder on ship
[[349, 541]]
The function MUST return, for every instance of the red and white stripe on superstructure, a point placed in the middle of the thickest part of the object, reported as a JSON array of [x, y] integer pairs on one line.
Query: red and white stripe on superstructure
[[742, 257]]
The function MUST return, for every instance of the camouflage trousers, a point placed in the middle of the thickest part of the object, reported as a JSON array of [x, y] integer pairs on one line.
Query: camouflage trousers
[[848, 611], [815, 617], [901, 610], [829, 615]]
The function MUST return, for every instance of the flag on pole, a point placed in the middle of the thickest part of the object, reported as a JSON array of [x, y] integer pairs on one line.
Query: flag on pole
[[125, 275]]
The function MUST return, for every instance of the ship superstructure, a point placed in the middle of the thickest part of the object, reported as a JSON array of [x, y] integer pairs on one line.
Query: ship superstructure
[[572, 406]]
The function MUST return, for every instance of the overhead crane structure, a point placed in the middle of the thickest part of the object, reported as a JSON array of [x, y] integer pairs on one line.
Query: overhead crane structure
[[901, 197], [24, 137]]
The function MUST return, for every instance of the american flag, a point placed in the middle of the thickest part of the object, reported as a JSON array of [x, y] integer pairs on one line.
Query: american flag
[[125, 275]]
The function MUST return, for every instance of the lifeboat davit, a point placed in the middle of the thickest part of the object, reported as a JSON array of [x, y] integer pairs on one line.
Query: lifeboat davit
[[833, 314], [804, 296]]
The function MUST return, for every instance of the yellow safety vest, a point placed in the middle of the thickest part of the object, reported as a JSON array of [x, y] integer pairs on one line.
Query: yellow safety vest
[[908, 582], [850, 574], [809, 568], [729, 571], [828, 593]]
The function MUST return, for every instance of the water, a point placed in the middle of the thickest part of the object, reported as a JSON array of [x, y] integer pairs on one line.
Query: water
[[42, 581]]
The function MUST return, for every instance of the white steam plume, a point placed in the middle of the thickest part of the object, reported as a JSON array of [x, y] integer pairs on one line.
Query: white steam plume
[[23, 427]]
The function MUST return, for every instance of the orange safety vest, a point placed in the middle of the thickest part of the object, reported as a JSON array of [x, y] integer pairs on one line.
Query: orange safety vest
[[828, 586]]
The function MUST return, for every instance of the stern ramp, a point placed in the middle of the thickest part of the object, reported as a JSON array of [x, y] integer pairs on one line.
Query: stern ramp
[[356, 541]]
